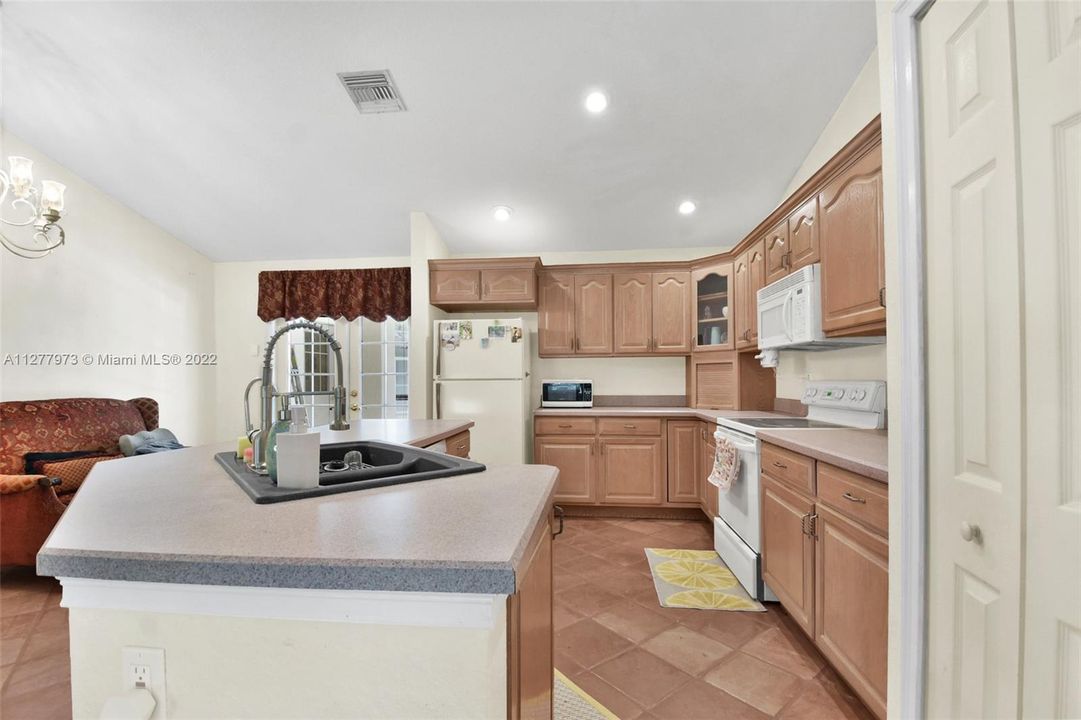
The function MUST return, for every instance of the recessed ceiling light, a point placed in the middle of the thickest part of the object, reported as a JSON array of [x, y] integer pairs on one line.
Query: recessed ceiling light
[[501, 213], [687, 207], [596, 102]]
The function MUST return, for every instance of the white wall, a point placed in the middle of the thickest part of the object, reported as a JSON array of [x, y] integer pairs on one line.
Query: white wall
[[240, 336], [120, 285], [424, 244], [859, 107]]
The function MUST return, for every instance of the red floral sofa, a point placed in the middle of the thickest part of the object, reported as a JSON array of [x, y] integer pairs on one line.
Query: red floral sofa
[[32, 502]]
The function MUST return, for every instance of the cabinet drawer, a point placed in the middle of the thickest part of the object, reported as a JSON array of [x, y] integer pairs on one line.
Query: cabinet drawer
[[630, 426], [854, 496], [564, 426], [792, 468], [458, 445]]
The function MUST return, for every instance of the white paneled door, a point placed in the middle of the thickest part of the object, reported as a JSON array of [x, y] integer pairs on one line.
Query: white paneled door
[[1048, 51], [974, 361], [1002, 184]]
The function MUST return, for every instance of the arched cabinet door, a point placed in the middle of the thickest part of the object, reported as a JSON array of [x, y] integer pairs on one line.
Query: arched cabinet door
[[777, 246], [803, 235]]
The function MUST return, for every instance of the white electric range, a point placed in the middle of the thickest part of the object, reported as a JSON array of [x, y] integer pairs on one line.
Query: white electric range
[[737, 529]]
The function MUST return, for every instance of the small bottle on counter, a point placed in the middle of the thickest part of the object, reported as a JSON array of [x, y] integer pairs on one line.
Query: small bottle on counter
[[281, 425], [298, 453]]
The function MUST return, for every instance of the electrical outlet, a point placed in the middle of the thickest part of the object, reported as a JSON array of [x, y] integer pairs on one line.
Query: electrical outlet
[[143, 667]]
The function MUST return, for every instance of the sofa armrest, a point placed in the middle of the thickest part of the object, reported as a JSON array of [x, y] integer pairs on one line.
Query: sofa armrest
[[10, 484]]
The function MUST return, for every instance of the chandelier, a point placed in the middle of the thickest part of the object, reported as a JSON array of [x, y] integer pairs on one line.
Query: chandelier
[[37, 210]]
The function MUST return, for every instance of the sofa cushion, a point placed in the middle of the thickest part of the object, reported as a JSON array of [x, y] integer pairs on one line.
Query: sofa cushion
[[73, 472], [17, 483]]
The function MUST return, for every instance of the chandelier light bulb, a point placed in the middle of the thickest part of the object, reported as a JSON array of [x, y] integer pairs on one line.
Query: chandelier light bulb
[[21, 174], [52, 196]]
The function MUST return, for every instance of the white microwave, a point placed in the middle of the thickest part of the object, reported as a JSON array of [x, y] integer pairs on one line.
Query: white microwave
[[567, 393], [790, 315]]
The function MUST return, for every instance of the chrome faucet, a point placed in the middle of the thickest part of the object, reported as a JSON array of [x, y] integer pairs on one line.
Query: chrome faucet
[[267, 393]]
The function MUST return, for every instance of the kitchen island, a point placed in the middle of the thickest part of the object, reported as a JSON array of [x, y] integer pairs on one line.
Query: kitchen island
[[411, 600]]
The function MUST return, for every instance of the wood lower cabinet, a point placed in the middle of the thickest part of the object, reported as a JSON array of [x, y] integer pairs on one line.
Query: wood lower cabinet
[[852, 569], [593, 314], [788, 550], [683, 461], [632, 471], [459, 445], [707, 453], [575, 458], [825, 554], [671, 312], [632, 311], [853, 249], [555, 314], [530, 650]]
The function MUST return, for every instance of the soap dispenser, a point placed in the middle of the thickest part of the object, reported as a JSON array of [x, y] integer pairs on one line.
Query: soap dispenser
[[280, 425], [298, 453]]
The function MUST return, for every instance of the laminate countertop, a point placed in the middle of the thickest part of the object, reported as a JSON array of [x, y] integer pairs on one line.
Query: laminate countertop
[[177, 517], [864, 452], [646, 411]]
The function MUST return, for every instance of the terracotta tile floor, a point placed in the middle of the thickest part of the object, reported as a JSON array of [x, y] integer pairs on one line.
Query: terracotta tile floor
[[644, 661], [612, 638]]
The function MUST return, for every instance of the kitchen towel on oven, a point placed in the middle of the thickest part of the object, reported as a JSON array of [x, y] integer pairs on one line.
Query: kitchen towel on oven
[[725, 464]]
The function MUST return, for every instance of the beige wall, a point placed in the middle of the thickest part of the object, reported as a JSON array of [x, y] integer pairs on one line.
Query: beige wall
[[240, 335], [222, 667], [858, 108], [120, 285], [424, 244]]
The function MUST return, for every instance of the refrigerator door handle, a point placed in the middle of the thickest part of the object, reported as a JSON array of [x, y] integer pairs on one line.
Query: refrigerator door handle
[[437, 388]]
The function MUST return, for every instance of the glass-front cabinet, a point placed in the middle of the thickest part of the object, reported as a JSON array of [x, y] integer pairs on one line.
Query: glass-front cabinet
[[713, 310]]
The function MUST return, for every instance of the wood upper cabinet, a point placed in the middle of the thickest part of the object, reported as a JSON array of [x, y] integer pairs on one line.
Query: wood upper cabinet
[[460, 285], [632, 312], [683, 461], [555, 324], [575, 457], [852, 578], [593, 314], [776, 247], [455, 286], [508, 285], [852, 248], [530, 651], [713, 307], [671, 312], [803, 235], [748, 277], [632, 471], [788, 550]]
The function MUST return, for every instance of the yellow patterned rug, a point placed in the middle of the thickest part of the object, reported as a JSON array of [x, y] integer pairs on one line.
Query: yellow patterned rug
[[697, 579], [570, 702]]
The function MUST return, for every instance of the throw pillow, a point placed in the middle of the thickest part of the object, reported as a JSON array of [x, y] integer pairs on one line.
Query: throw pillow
[[73, 472], [34, 460]]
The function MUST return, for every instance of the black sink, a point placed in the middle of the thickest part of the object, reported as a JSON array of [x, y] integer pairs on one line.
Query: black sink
[[382, 464]]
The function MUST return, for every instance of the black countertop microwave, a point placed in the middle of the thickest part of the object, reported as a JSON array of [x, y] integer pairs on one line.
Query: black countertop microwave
[[567, 393]]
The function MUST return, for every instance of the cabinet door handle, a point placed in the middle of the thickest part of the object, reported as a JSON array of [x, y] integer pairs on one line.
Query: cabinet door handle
[[559, 514], [852, 498], [630, 427], [779, 465], [567, 425], [485, 290], [882, 297]]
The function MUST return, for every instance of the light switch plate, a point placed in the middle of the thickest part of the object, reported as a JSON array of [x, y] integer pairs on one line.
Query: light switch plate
[[138, 662]]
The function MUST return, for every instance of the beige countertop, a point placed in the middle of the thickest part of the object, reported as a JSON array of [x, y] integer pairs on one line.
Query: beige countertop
[[638, 411], [864, 452], [177, 517]]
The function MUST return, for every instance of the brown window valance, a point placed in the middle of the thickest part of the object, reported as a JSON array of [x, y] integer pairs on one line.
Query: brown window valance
[[374, 293]]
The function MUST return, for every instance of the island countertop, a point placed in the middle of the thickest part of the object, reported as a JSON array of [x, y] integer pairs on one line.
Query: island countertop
[[177, 517]]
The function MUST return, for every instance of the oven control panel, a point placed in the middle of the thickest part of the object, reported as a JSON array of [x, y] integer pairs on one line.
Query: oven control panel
[[864, 395]]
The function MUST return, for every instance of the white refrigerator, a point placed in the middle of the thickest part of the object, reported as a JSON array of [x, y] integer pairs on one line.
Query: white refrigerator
[[481, 373]]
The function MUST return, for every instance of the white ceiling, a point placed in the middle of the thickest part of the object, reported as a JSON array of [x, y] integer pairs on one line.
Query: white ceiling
[[225, 122]]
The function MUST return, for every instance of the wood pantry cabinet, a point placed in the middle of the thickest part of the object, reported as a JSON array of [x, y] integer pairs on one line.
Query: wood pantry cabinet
[[853, 249], [825, 554], [530, 632], [478, 284]]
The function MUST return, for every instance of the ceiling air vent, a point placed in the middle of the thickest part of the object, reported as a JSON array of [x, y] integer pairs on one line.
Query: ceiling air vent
[[372, 91]]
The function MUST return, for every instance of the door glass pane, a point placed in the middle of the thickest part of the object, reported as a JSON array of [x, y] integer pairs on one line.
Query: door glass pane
[[712, 318]]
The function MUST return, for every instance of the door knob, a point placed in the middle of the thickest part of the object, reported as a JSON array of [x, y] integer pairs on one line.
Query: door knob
[[971, 532], [352, 393], [354, 407]]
